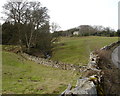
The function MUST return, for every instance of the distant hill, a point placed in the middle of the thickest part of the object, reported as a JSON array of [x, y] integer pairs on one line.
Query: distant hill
[[87, 30]]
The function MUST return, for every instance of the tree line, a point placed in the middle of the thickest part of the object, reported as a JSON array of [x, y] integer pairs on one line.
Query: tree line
[[27, 24], [88, 30]]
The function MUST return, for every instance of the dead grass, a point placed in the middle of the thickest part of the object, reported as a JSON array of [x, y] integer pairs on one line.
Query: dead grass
[[111, 76]]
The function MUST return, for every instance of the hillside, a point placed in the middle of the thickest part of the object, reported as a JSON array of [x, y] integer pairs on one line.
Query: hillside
[[76, 50], [26, 77]]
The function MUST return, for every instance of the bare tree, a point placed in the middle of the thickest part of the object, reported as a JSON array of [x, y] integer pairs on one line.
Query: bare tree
[[54, 27], [29, 17]]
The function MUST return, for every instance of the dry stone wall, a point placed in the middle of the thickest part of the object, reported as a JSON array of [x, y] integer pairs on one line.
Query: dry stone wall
[[108, 47], [51, 63], [92, 61], [91, 84]]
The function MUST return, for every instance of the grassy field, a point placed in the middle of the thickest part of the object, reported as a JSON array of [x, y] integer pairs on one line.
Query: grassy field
[[76, 50], [26, 77]]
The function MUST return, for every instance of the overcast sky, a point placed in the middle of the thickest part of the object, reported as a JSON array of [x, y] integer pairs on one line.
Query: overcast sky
[[72, 13]]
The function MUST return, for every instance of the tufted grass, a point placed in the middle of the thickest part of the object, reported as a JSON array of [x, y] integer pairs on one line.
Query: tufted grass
[[76, 50], [21, 76]]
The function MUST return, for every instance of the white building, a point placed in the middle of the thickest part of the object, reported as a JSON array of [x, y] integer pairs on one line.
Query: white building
[[76, 33]]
